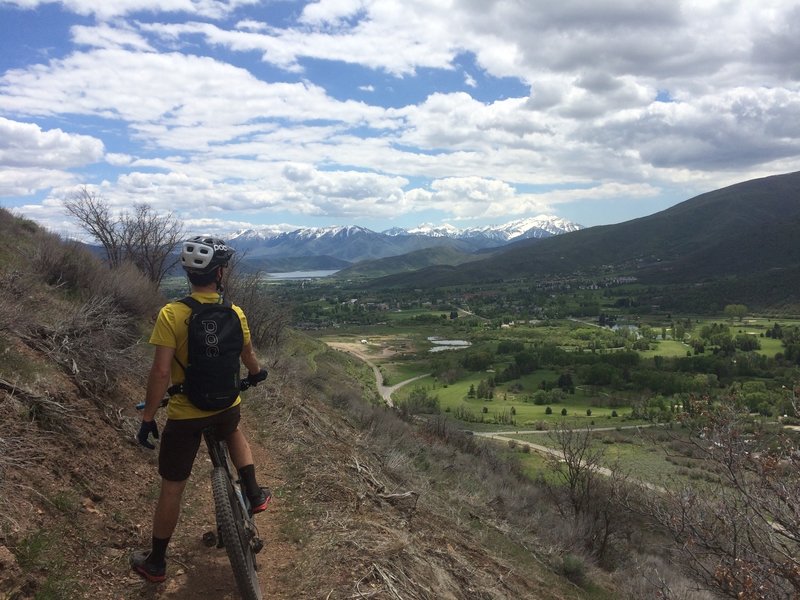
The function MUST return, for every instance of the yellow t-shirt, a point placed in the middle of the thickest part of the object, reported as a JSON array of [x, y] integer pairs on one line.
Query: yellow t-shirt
[[171, 330]]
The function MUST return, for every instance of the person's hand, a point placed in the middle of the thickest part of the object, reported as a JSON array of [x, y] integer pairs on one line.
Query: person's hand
[[145, 429], [255, 379]]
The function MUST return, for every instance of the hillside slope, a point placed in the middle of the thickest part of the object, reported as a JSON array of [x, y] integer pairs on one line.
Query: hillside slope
[[737, 231], [366, 505], [406, 262]]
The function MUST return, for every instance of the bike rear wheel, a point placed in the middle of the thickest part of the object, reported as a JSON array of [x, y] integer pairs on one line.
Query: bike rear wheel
[[235, 535]]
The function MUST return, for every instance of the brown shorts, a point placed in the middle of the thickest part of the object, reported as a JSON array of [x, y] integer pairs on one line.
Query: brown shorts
[[181, 439]]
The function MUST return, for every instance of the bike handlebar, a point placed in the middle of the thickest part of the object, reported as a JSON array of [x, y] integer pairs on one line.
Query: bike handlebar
[[244, 384]]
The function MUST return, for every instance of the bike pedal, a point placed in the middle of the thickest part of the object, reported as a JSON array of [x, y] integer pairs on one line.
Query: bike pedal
[[209, 539], [256, 544]]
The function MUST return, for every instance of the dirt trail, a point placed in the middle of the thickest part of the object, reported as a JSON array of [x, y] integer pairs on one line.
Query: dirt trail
[[384, 390], [198, 572], [499, 437]]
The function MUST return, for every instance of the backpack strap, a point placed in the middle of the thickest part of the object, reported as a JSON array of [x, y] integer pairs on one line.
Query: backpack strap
[[178, 388], [192, 303]]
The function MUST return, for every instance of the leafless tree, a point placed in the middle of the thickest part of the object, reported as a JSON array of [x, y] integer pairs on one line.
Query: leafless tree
[[150, 239], [267, 317], [587, 491], [739, 535], [95, 218], [143, 237]]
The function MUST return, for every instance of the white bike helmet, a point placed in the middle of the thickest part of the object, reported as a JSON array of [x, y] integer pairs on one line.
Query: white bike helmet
[[203, 254]]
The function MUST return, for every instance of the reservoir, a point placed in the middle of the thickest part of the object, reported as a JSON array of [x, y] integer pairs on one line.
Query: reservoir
[[439, 345], [302, 274]]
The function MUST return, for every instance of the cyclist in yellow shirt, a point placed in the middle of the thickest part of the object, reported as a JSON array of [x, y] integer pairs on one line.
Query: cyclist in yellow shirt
[[204, 259]]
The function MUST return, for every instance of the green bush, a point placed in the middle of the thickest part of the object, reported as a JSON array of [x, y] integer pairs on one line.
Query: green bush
[[548, 411], [573, 568], [419, 401]]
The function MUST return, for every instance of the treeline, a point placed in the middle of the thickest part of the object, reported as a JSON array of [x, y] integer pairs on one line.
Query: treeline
[[726, 362]]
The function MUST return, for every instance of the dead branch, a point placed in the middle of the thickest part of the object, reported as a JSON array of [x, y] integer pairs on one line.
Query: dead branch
[[387, 579], [39, 404]]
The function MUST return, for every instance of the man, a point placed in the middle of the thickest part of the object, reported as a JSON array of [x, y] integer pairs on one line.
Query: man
[[204, 259]]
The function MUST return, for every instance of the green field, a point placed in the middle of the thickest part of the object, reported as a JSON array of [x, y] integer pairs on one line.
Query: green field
[[643, 454], [505, 405], [399, 345]]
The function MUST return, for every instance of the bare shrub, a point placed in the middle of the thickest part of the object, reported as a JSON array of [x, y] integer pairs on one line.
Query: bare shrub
[[149, 240], [71, 266], [92, 343], [13, 285], [63, 264], [143, 237], [654, 577], [127, 288], [738, 534], [267, 317], [588, 492]]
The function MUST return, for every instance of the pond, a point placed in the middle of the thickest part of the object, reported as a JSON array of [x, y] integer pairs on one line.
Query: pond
[[440, 345]]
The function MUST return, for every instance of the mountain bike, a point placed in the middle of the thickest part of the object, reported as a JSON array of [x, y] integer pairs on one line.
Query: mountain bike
[[236, 528]]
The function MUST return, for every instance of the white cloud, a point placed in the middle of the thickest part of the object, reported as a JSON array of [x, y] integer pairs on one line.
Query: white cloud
[[107, 36], [227, 138], [107, 9], [32, 159], [201, 102], [28, 181], [27, 145]]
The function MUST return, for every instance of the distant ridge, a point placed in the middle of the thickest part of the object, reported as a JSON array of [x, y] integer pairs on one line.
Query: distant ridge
[[740, 232], [353, 244]]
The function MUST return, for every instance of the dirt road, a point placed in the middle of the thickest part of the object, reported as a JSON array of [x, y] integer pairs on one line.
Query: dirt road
[[359, 352]]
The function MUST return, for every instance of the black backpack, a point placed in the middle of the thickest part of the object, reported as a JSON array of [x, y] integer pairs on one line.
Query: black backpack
[[215, 344]]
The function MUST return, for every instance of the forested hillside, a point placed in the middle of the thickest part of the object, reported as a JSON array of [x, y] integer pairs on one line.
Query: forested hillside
[[733, 241]]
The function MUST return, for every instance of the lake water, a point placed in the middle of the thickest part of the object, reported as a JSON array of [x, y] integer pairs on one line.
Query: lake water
[[440, 345], [302, 274]]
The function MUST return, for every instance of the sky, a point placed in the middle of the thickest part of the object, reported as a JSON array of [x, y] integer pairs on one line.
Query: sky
[[230, 114]]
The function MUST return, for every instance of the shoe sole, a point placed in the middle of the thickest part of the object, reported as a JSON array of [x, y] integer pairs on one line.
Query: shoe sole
[[151, 578], [261, 507]]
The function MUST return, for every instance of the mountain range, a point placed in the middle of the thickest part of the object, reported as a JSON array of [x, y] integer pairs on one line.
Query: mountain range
[[273, 249], [735, 244]]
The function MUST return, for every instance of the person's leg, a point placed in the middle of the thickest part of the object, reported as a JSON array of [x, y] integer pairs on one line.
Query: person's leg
[[239, 449], [153, 565], [177, 449], [168, 508], [242, 458]]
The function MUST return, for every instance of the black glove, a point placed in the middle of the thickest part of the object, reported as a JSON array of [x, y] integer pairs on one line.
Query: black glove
[[258, 377], [145, 429]]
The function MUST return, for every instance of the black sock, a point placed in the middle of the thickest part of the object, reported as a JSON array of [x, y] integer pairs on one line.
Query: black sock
[[248, 476], [159, 551]]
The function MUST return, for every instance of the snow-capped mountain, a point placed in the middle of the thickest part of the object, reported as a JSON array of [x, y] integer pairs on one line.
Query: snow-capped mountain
[[533, 227], [428, 229], [354, 244]]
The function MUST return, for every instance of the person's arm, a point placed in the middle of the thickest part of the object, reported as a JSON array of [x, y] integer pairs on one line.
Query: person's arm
[[250, 359], [158, 381]]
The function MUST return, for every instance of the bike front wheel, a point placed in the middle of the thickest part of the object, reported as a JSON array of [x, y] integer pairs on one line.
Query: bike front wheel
[[231, 522]]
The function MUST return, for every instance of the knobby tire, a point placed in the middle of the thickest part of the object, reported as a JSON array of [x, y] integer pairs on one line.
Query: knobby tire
[[230, 521]]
